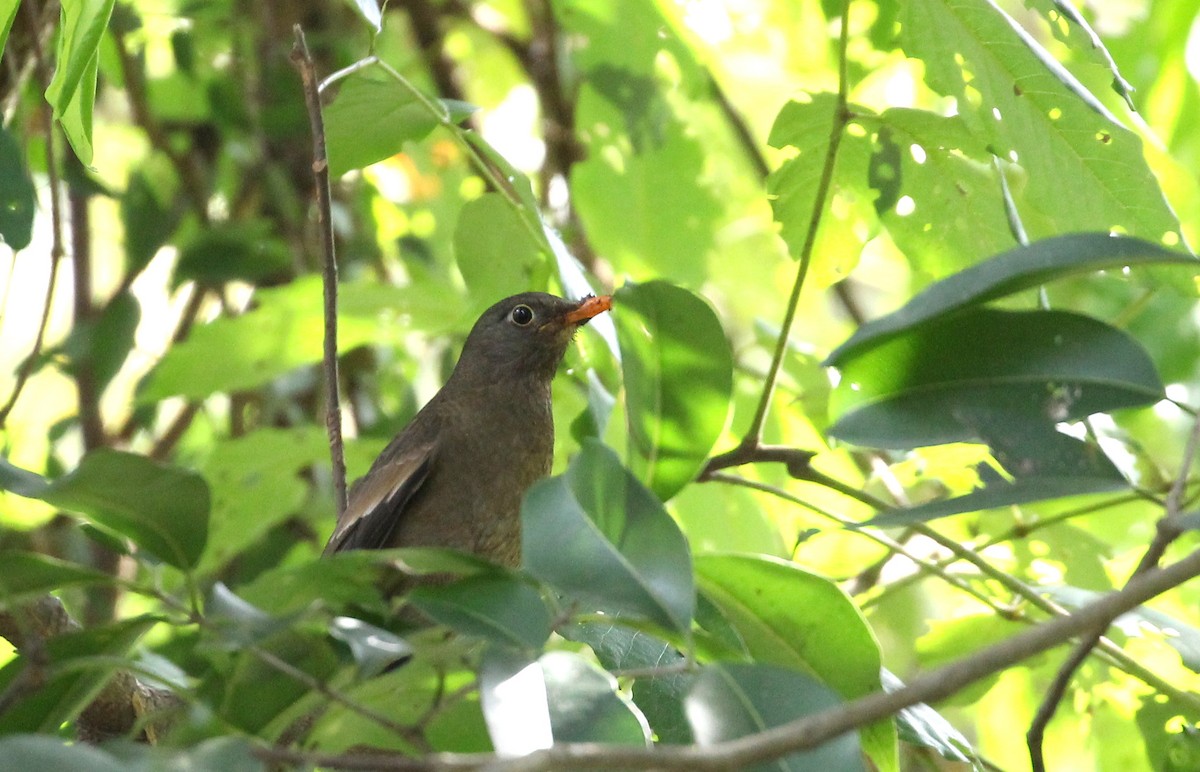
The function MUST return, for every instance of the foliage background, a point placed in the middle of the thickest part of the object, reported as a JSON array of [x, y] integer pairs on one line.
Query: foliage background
[[681, 150]]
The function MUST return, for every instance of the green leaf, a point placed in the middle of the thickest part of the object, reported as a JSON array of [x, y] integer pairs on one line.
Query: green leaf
[[147, 217], [793, 187], [373, 116], [8, 12], [1085, 171], [1018, 269], [791, 618], [72, 91], [584, 703], [498, 607], [1004, 493], [162, 509], [286, 331], [234, 251], [678, 374], [962, 376], [17, 196], [598, 536], [30, 575], [944, 207], [731, 701], [79, 665], [659, 698], [47, 753], [924, 726], [256, 484], [340, 581], [496, 254], [102, 345]]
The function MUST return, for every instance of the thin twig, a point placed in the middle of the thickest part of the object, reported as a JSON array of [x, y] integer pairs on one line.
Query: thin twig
[[1166, 531], [303, 61], [25, 370]]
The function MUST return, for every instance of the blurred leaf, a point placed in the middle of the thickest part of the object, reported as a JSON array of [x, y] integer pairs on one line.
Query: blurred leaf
[[285, 331], [1018, 269], [1085, 170], [1002, 493], [789, 617], [256, 482], [162, 509], [678, 374], [495, 252], [72, 91], [219, 754], [732, 700], [338, 581], [17, 196], [370, 13], [1179, 635], [80, 663], [500, 608], [957, 377], [31, 575], [103, 344], [8, 12], [47, 753], [147, 215], [596, 535], [238, 623], [585, 706], [236, 251], [373, 116], [512, 693], [374, 649]]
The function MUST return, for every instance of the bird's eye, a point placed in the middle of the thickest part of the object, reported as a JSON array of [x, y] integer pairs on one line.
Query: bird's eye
[[521, 315]]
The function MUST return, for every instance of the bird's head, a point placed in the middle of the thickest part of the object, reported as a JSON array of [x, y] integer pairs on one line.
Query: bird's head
[[525, 336]]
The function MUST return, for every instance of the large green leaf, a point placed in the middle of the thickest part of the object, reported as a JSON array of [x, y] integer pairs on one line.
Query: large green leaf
[[78, 665], [17, 199], [162, 509], [789, 617], [678, 374], [498, 607], [286, 331], [47, 753], [597, 535], [373, 116], [1012, 271], [234, 251], [968, 375], [939, 195], [1085, 171], [733, 700], [495, 251]]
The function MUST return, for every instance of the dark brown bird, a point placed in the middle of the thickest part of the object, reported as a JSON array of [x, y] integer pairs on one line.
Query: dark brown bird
[[454, 477]]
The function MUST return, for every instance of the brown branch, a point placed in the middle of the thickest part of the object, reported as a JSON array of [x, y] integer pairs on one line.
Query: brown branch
[[121, 706], [1167, 530], [303, 61], [803, 733]]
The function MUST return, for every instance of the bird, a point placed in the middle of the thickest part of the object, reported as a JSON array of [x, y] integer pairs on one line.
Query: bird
[[455, 474]]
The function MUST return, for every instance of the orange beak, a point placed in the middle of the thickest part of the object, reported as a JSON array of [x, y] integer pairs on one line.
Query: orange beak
[[587, 308]]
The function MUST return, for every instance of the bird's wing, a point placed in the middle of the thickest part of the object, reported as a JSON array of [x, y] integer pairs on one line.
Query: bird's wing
[[377, 500]]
